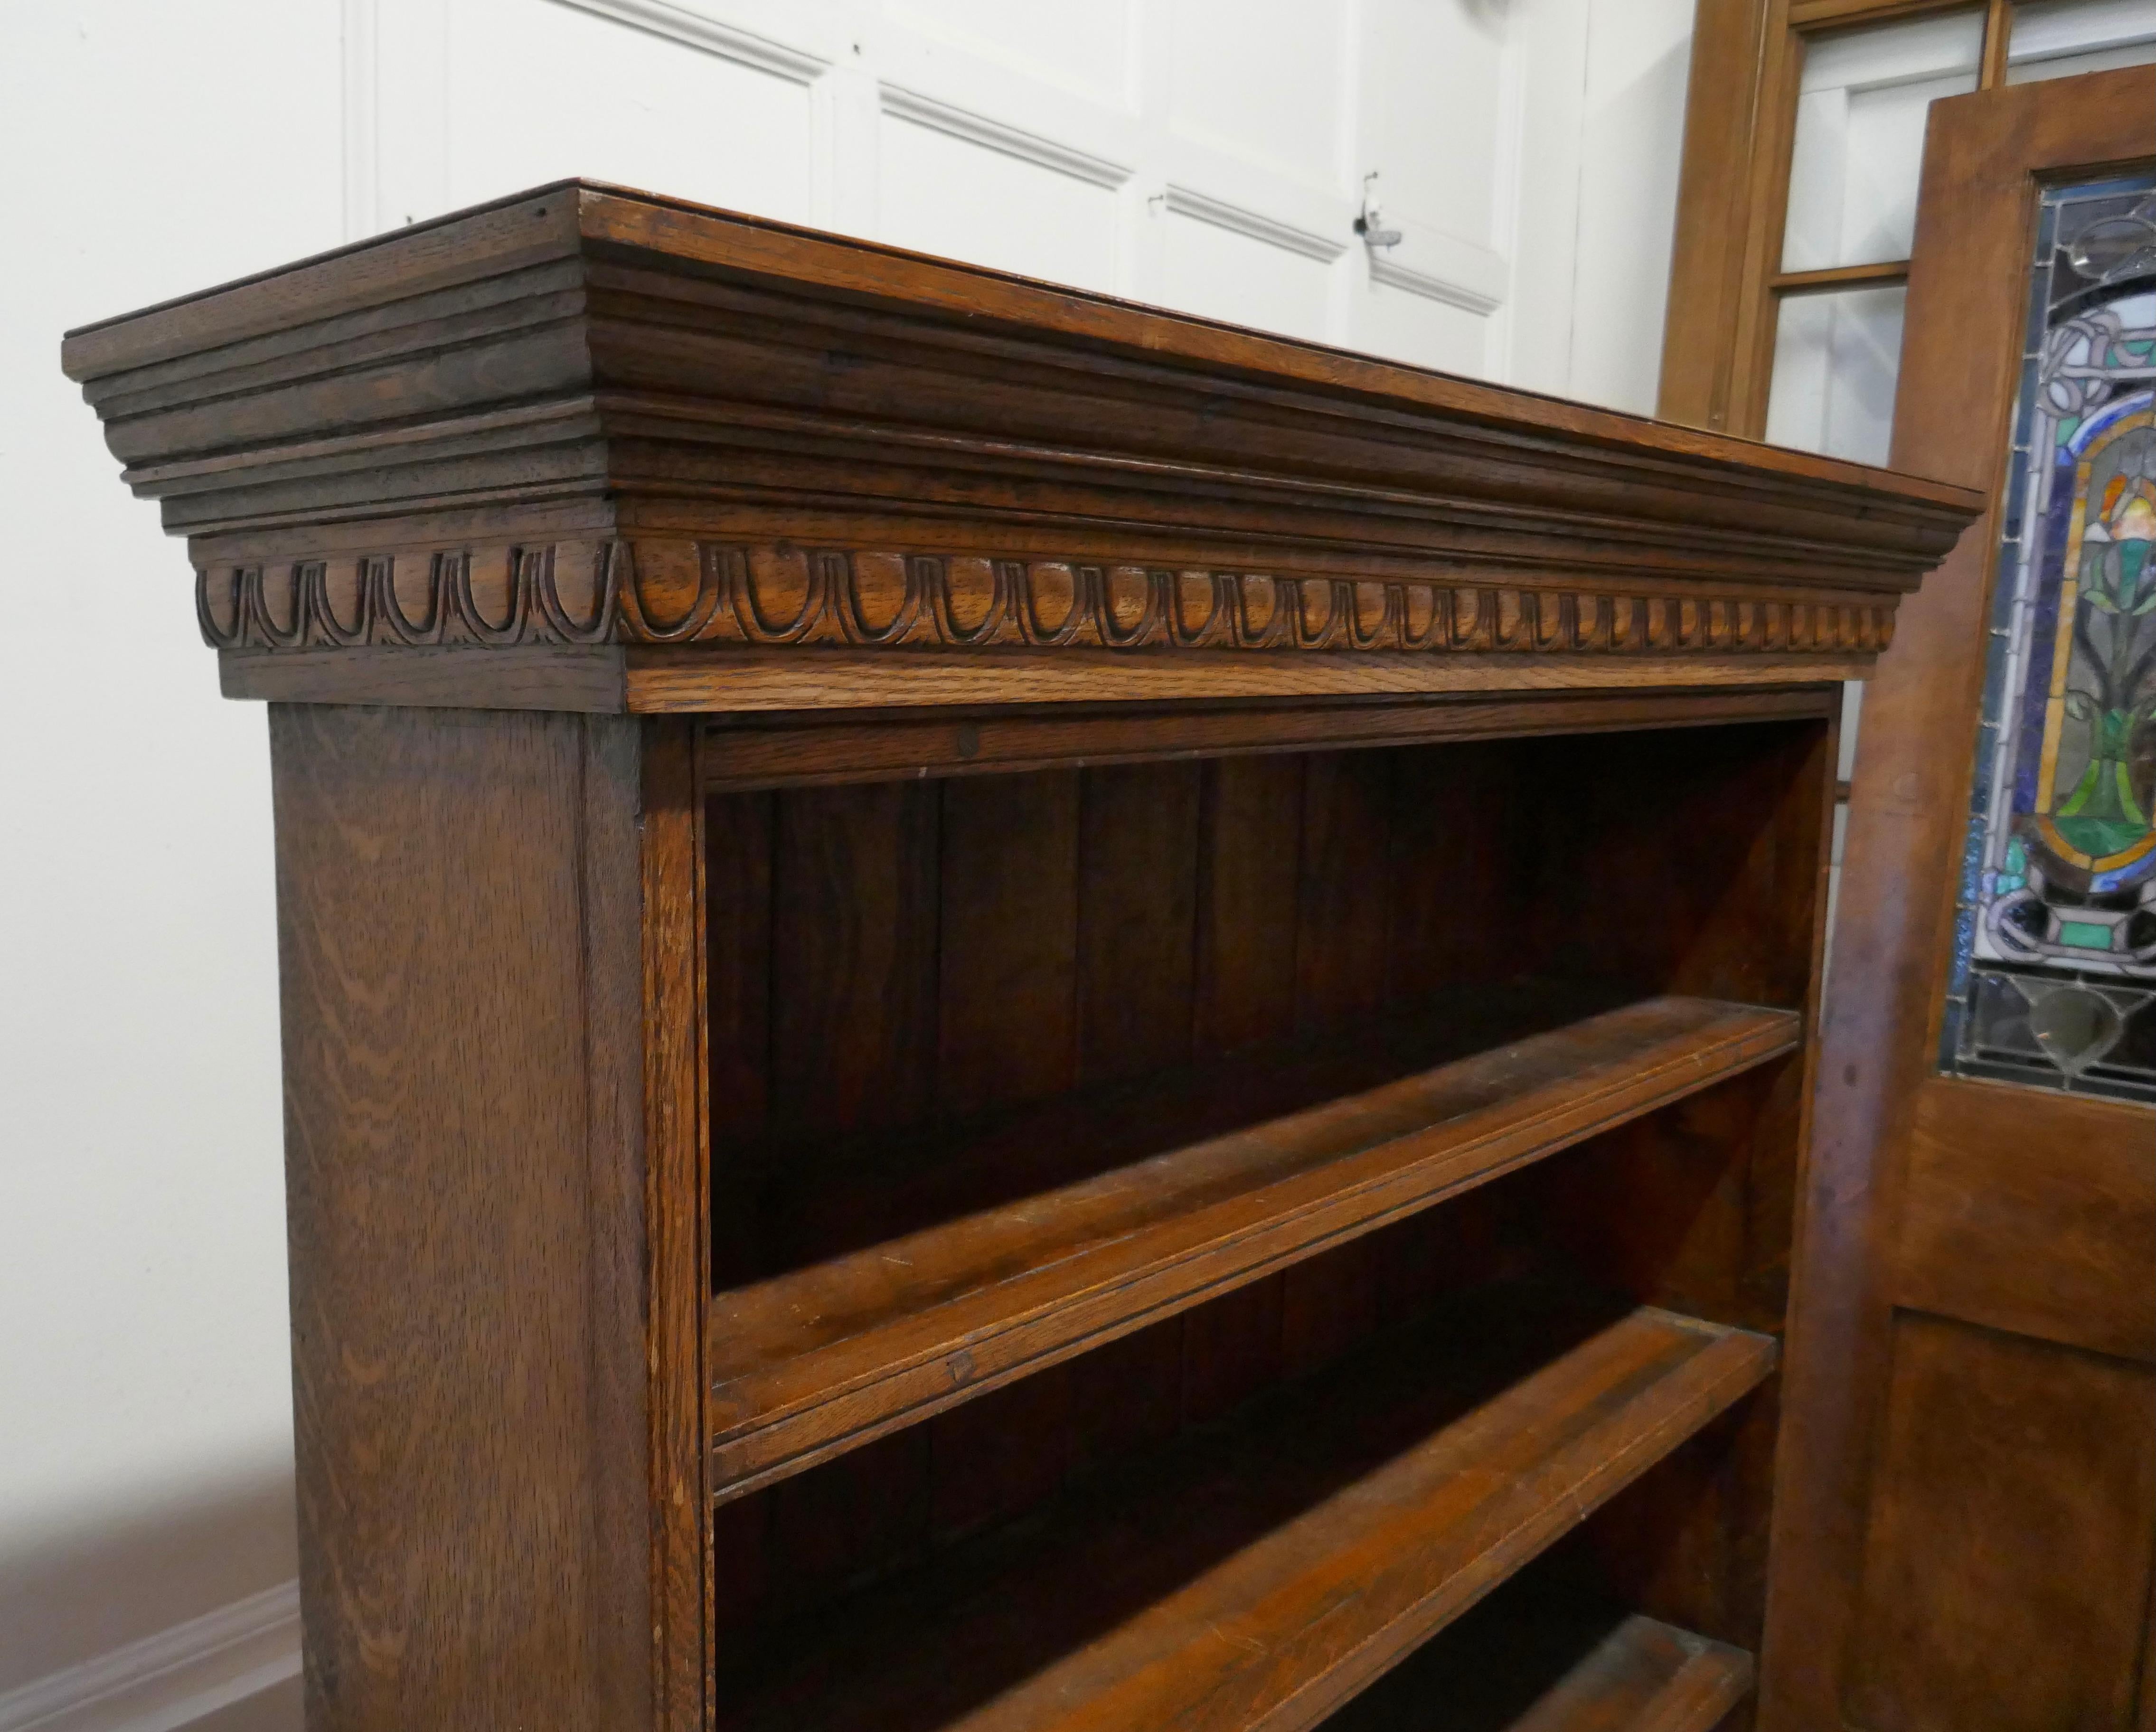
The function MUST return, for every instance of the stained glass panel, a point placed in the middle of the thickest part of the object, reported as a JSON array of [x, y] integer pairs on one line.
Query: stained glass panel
[[2055, 949]]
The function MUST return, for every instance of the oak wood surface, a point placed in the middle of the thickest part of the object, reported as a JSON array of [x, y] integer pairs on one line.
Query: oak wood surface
[[475, 1438], [1818, 14], [178, 342], [856, 1339], [791, 750], [1073, 946], [2018, 1213], [1259, 1574], [591, 679], [676, 1255], [2012, 1496], [1545, 1654], [586, 416], [1740, 125], [662, 682], [607, 680], [1708, 858]]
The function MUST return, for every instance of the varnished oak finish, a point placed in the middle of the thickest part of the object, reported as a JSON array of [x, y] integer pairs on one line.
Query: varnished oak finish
[[1003, 1009], [802, 749], [602, 679], [1256, 1578], [1642, 1676], [856, 1341], [1546, 1652], [588, 417], [468, 1235], [1965, 1523]]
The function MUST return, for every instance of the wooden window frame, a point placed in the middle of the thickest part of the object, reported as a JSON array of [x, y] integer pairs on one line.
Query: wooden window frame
[[1725, 283]]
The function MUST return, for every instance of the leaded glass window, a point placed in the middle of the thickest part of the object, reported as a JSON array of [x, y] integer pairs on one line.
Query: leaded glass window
[[2054, 978]]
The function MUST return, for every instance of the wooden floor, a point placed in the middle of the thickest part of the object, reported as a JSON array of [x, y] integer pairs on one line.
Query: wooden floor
[[1068, 1224], [1260, 1572]]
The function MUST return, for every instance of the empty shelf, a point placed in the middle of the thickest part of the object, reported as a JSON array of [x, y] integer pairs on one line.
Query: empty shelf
[[1546, 1655], [1261, 1572], [1173, 1209]]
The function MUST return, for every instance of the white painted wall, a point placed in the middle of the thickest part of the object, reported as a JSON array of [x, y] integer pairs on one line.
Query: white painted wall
[[1201, 153], [144, 1396], [1209, 154], [1602, 121]]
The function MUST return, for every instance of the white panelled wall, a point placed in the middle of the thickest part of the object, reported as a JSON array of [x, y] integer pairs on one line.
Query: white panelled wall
[[1202, 154], [1210, 154]]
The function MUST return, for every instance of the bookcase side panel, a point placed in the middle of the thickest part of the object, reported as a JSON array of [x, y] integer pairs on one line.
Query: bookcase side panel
[[463, 991]]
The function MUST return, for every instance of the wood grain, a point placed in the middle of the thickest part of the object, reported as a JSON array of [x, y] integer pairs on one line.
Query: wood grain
[[591, 417], [843, 1347], [784, 751], [1839, 276], [1258, 1578], [855, 938], [1103, 588], [665, 682], [2015, 1488], [674, 1271], [1010, 970], [1138, 859], [1823, 14], [1546, 1654], [469, 1235], [1343, 913], [953, 302], [1251, 821], [593, 678], [2032, 1214]]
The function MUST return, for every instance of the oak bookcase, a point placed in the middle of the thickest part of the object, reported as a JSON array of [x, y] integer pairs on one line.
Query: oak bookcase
[[1001, 1010]]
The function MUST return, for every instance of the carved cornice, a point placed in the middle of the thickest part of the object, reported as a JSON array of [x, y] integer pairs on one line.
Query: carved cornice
[[659, 591], [586, 420]]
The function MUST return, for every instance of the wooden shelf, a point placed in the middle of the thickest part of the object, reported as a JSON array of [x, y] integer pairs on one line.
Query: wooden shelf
[[1262, 1571], [1643, 1676], [1540, 1655], [1069, 1225]]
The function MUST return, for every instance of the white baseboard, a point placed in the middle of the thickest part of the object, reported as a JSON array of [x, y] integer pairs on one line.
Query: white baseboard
[[166, 1681]]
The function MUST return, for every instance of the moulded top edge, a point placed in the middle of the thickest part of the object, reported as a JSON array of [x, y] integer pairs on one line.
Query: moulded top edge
[[484, 240], [569, 217], [695, 235]]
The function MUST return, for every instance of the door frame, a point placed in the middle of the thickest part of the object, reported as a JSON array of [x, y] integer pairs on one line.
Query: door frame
[[1726, 280]]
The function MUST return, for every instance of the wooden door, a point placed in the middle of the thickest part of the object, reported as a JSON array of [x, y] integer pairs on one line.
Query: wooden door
[[1967, 1519]]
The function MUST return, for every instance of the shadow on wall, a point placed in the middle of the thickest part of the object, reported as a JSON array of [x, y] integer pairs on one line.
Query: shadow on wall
[[74, 1595]]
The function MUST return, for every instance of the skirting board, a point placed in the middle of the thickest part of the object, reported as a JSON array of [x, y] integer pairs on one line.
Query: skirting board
[[166, 1681]]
